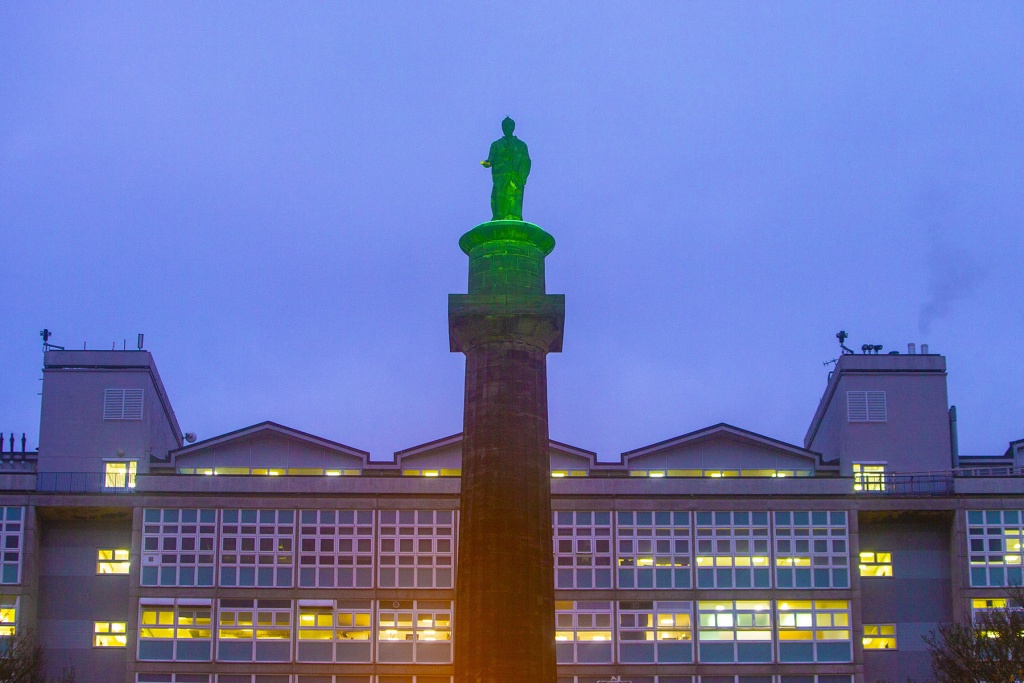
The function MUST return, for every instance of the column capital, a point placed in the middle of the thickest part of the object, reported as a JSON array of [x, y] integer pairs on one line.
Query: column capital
[[476, 319]]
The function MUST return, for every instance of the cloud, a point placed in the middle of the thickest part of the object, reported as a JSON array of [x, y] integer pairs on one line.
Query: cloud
[[954, 274]]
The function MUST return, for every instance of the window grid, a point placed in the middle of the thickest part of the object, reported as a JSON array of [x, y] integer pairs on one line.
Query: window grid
[[336, 549], [655, 632], [583, 631], [182, 632], [417, 548], [583, 549], [811, 549], [814, 631], [414, 631], [994, 545], [257, 548], [178, 547], [265, 623], [11, 530], [323, 623], [734, 631], [653, 549], [733, 550], [879, 637]]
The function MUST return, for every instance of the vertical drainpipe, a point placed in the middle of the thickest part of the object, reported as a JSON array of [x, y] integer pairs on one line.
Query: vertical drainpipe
[[954, 445]]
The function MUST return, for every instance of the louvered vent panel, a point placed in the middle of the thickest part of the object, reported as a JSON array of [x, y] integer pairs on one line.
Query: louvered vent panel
[[133, 404], [113, 404], [122, 404], [876, 406], [857, 406]]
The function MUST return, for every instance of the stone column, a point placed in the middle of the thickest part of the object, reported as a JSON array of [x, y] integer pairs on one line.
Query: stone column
[[504, 629]]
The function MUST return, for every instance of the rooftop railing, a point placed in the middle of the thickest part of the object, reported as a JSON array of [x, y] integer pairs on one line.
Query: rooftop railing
[[83, 482], [997, 471]]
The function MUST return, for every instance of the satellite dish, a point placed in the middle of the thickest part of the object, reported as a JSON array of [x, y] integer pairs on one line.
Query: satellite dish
[[190, 437]]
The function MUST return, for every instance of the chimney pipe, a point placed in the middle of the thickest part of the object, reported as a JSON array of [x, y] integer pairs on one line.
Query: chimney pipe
[[954, 439], [924, 349], [911, 348], [23, 442]]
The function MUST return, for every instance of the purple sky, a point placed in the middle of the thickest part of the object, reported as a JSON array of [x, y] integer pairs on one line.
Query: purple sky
[[273, 194]]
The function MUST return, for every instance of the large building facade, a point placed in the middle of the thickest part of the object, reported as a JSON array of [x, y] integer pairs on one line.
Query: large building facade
[[268, 555]]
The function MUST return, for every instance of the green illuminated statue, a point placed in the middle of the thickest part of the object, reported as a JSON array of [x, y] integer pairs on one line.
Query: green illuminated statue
[[509, 162]]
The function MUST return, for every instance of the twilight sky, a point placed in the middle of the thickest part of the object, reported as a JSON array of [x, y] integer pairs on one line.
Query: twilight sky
[[273, 194]]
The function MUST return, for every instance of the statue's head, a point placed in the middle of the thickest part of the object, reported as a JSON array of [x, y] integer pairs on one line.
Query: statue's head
[[507, 126]]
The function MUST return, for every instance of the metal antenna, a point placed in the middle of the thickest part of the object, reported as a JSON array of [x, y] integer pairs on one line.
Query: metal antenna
[[842, 337], [47, 346]]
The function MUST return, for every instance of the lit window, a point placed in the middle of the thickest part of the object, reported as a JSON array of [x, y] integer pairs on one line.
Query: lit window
[[120, 474], [875, 564], [583, 631], [194, 622], [112, 561], [156, 623], [655, 632], [353, 622], [868, 476], [272, 471], [8, 614], [235, 624], [558, 474], [879, 636], [413, 631], [990, 606], [254, 630], [734, 631], [316, 623], [814, 630], [169, 632], [432, 473], [110, 634], [335, 631]]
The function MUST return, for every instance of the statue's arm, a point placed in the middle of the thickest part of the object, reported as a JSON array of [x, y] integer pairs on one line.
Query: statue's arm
[[491, 154]]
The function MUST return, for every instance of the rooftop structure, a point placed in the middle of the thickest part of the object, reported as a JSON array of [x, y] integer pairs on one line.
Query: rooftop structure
[[273, 553]]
